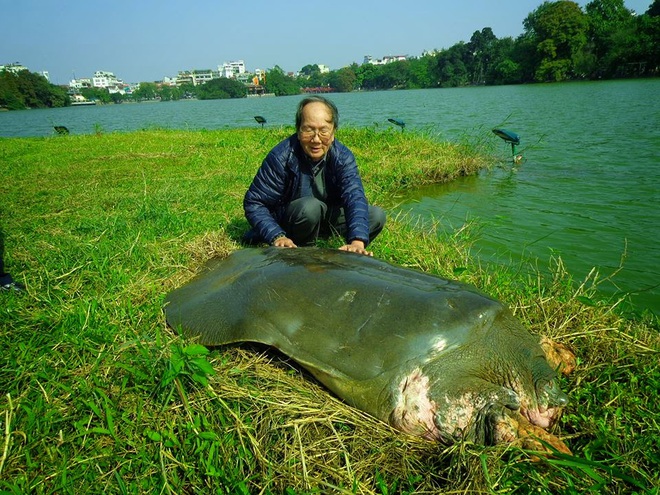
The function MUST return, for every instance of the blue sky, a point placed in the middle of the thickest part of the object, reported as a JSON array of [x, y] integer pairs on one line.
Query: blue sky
[[149, 39]]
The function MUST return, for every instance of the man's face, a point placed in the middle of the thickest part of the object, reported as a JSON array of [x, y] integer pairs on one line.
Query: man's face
[[316, 131]]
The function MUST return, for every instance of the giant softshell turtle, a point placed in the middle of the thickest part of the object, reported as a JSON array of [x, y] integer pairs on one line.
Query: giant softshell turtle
[[433, 357]]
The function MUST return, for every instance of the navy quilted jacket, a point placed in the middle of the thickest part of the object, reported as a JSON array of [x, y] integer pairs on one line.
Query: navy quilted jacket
[[278, 179]]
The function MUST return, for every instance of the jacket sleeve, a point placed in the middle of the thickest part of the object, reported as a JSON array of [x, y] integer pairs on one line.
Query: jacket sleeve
[[264, 195], [353, 198]]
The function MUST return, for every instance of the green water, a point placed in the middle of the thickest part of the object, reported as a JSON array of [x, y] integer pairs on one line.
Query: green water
[[588, 189]]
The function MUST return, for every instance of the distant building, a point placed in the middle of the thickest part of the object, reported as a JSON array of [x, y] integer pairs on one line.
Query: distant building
[[15, 67], [107, 80], [196, 77], [78, 84], [324, 69], [203, 76], [232, 70], [130, 88], [388, 59], [184, 77]]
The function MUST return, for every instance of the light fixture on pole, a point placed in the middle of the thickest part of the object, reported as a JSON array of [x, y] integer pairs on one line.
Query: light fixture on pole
[[398, 122], [510, 137]]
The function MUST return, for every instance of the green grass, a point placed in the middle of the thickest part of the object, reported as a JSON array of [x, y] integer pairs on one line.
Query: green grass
[[98, 395]]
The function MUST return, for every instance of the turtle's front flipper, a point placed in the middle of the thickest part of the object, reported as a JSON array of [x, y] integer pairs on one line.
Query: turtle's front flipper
[[500, 424], [559, 356]]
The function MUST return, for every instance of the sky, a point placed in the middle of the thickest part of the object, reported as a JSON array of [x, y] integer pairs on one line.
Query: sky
[[147, 40]]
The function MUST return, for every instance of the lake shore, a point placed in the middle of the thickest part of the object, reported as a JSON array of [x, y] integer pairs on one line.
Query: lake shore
[[100, 227]]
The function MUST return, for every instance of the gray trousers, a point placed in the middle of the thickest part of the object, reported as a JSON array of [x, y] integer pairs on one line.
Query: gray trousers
[[306, 219]]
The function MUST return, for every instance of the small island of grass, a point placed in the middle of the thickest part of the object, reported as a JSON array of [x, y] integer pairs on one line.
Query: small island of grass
[[100, 396]]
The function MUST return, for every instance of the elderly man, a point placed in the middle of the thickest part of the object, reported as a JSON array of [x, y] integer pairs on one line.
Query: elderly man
[[309, 186]]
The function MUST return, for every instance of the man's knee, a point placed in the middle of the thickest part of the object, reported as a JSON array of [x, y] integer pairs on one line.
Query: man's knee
[[377, 219], [306, 210]]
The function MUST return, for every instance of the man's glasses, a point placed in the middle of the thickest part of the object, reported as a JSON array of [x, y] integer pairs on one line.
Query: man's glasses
[[323, 133]]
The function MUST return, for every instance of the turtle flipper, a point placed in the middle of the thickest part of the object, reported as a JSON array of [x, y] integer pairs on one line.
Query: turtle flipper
[[502, 425], [559, 356]]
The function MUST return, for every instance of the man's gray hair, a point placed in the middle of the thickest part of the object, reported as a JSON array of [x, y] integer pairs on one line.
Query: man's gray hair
[[321, 99]]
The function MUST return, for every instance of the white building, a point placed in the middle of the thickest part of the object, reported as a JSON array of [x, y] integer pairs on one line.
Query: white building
[[196, 77], [169, 81], [232, 70], [184, 77], [15, 67], [203, 76], [107, 80], [82, 83], [387, 59]]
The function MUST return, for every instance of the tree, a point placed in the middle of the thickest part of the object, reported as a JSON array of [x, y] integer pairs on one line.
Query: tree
[[116, 97], [98, 94], [420, 72], [480, 53], [312, 75], [187, 90], [505, 66], [310, 70], [644, 51], [524, 52], [342, 80], [610, 25], [221, 88], [10, 96], [560, 32], [280, 84], [170, 93], [395, 75], [451, 69], [27, 89], [505, 72], [146, 91], [365, 76]]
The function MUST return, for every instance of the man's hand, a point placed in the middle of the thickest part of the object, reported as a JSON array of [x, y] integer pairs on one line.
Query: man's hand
[[284, 242], [356, 247]]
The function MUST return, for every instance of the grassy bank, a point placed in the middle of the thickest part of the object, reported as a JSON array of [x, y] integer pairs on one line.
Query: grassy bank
[[98, 395]]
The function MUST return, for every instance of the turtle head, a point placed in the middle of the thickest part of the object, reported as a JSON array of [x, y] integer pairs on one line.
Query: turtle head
[[519, 363], [524, 401], [543, 406]]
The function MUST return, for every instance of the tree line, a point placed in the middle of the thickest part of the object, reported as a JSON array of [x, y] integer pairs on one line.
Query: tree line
[[560, 42], [27, 89]]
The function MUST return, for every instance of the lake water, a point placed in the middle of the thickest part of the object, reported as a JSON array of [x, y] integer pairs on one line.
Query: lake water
[[588, 188]]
